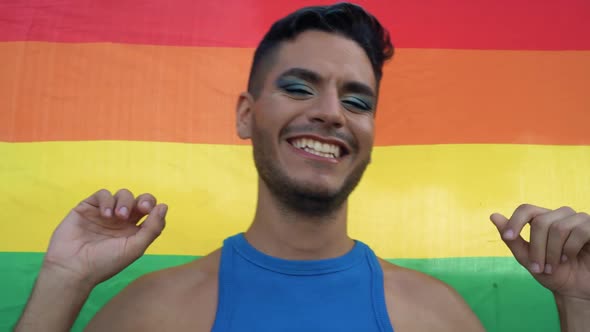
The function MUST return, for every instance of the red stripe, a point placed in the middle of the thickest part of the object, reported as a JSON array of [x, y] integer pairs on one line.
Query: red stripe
[[468, 24]]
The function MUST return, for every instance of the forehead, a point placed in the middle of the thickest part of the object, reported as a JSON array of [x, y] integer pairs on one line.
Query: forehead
[[330, 55]]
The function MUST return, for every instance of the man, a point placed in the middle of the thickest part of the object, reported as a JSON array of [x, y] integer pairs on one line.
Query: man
[[309, 112]]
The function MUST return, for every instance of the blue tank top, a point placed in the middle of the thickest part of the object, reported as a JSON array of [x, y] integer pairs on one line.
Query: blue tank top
[[261, 293]]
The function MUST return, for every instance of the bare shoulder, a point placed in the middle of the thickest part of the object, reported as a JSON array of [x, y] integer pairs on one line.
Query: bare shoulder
[[175, 299], [418, 302]]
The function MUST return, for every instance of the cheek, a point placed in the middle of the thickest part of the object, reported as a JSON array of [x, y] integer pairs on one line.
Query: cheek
[[364, 130], [266, 116], [266, 128], [278, 112]]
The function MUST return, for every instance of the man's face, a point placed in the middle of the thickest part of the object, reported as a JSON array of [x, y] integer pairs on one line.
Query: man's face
[[312, 126]]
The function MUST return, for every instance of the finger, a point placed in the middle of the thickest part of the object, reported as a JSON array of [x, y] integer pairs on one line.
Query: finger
[[518, 246], [145, 203], [539, 236], [558, 235], [102, 199], [149, 230], [521, 216], [124, 203], [578, 238], [142, 206]]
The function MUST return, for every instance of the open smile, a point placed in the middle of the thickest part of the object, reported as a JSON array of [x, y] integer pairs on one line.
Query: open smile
[[324, 148]]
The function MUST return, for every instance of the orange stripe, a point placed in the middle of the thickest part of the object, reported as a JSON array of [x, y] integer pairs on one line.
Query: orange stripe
[[51, 91]]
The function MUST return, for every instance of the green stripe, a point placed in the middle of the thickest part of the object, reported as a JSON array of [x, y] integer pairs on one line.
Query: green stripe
[[501, 292]]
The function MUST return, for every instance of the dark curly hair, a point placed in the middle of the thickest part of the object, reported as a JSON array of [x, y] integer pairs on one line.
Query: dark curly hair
[[348, 20]]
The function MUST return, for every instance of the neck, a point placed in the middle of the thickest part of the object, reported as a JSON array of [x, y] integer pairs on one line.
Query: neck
[[283, 233]]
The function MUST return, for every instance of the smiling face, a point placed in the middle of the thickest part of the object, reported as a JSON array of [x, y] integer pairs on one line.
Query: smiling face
[[312, 124]]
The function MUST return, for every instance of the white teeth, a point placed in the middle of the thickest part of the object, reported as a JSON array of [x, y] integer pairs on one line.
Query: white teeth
[[325, 155], [317, 148]]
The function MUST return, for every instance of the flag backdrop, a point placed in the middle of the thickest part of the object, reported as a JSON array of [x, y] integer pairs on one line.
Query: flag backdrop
[[486, 105]]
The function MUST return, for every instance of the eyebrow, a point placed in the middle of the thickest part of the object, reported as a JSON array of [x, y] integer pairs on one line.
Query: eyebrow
[[315, 78], [304, 74], [358, 87]]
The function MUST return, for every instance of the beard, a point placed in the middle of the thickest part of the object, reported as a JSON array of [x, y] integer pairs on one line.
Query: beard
[[307, 199]]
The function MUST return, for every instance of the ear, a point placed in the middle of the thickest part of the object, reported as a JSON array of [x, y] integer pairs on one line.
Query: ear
[[244, 115]]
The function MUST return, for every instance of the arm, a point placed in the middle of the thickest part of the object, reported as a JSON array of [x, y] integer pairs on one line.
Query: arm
[[557, 256], [418, 302], [55, 302], [448, 311], [574, 314], [96, 240]]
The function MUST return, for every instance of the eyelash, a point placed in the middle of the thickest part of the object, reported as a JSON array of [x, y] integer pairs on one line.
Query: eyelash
[[358, 103], [297, 89], [302, 90]]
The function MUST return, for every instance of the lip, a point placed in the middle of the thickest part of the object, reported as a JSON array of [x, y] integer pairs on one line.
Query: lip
[[344, 148]]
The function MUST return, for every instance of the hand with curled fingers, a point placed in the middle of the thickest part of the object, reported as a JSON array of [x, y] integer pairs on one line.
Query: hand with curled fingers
[[558, 253], [101, 236]]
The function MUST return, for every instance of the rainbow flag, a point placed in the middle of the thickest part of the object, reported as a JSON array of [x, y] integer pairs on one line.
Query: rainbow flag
[[485, 106]]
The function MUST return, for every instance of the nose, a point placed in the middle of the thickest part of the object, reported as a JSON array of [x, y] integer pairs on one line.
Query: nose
[[327, 111]]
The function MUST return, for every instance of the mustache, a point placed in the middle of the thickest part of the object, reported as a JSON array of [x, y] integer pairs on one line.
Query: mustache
[[320, 130]]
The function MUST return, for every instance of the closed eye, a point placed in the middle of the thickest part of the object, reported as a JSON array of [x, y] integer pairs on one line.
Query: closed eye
[[357, 103], [298, 90]]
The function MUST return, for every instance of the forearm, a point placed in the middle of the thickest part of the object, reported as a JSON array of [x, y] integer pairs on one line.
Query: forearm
[[55, 302], [574, 314]]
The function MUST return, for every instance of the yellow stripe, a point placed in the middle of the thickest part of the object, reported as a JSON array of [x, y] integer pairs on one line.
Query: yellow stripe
[[415, 201]]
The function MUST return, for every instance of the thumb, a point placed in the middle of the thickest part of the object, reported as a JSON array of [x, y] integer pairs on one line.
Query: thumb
[[517, 245], [149, 230], [499, 221]]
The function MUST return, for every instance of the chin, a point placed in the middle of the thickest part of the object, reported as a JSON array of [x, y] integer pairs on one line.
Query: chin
[[312, 202], [314, 189], [305, 191]]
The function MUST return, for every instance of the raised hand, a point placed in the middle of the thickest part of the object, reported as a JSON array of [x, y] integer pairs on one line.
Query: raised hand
[[101, 236], [558, 254], [97, 239]]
